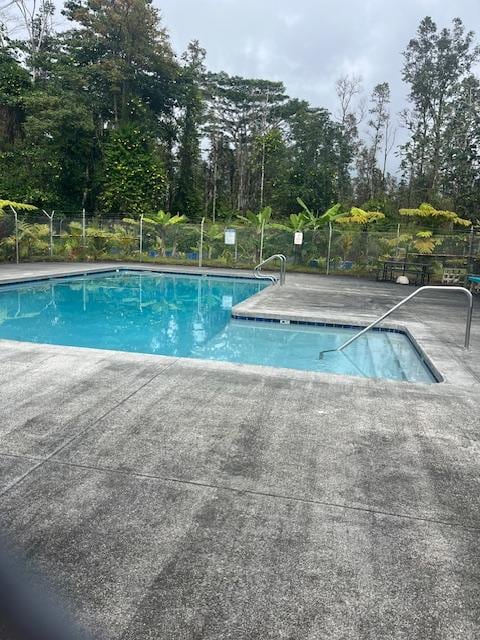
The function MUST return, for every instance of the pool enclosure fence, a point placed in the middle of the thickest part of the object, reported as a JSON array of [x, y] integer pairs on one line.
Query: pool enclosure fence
[[85, 237]]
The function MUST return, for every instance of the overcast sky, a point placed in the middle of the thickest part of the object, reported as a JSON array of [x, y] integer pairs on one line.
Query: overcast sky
[[308, 44]]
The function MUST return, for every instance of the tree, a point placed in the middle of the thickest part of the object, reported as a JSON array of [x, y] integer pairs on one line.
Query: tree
[[271, 153], [371, 178], [352, 107], [126, 53], [364, 219], [361, 217], [56, 149], [257, 221], [351, 111], [295, 223], [435, 218], [241, 108], [160, 222], [188, 198], [133, 177], [318, 155], [461, 182], [14, 86], [36, 19], [377, 124], [431, 221], [101, 116], [435, 65], [318, 221], [50, 160]]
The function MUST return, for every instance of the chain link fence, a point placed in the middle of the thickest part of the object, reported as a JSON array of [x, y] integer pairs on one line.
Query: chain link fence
[[67, 237]]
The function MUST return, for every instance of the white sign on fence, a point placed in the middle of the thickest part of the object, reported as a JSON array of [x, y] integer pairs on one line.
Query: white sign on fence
[[230, 236], [298, 238]]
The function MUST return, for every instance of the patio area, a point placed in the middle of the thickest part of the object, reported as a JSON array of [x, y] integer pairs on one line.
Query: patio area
[[174, 498]]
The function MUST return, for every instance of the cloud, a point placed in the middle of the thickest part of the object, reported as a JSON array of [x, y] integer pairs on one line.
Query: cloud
[[308, 44], [290, 20]]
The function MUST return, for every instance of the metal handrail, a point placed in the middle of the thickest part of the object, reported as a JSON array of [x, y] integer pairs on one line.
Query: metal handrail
[[405, 300], [283, 267]]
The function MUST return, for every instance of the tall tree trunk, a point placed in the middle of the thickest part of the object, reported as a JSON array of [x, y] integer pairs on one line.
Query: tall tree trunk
[[437, 148]]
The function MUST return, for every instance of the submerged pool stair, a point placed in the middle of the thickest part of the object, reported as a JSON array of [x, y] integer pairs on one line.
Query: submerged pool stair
[[407, 299], [394, 356], [404, 301]]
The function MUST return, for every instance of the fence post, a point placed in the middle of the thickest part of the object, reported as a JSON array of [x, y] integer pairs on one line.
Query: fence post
[[16, 235], [83, 229], [50, 217], [330, 231], [140, 243], [398, 240], [200, 249], [261, 241], [51, 233]]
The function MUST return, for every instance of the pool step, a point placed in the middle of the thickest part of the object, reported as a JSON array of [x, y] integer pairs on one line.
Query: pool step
[[395, 357], [371, 351], [373, 355]]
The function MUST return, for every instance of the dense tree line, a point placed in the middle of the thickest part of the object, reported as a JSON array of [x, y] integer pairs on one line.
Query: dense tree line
[[104, 116]]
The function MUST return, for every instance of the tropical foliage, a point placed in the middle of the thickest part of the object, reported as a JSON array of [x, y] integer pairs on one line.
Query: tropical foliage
[[164, 237], [361, 217], [258, 220], [5, 205], [432, 221], [428, 214], [111, 120]]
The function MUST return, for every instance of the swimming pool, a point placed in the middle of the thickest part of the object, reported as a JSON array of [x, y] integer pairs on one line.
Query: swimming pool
[[190, 316]]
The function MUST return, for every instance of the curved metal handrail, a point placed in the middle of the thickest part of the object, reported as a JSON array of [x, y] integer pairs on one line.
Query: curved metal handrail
[[274, 279], [407, 299]]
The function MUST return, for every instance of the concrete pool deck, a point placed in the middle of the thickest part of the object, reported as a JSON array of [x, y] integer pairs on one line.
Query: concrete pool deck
[[173, 498]]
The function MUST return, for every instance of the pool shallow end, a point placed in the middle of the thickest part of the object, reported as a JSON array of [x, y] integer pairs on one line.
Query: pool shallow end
[[258, 296]]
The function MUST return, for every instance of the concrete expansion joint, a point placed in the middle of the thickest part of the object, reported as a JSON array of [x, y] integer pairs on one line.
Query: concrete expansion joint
[[81, 433], [267, 494]]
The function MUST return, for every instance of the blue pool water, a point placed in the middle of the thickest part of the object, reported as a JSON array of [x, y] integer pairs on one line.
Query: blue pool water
[[190, 316]]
